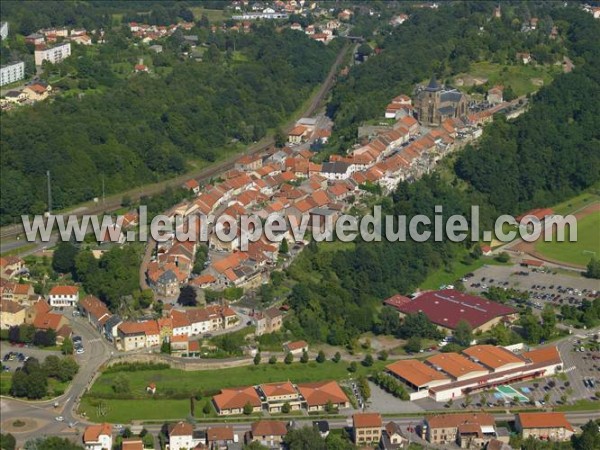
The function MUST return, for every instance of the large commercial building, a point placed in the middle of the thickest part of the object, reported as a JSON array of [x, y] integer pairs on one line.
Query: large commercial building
[[12, 72], [53, 54], [451, 375], [448, 307]]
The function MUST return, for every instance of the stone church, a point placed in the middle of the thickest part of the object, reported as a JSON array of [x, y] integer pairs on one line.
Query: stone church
[[436, 103]]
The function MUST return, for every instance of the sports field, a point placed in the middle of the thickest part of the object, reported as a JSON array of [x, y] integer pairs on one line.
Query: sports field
[[580, 252]]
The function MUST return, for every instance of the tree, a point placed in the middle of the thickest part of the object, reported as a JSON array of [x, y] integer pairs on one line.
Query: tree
[[368, 360], [286, 408], [280, 138], [304, 357], [206, 409], [165, 347], [187, 296], [548, 316], [273, 359], [284, 247], [67, 346], [121, 384], [330, 407], [7, 441], [320, 357], [383, 355], [63, 258], [413, 345], [306, 438], [418, 325], [593, 269], [257, 359], [248, 408], [51, 443], [288, 358], [589, 437], [503, 257], [463, 333], [337, 357], [353, 367]]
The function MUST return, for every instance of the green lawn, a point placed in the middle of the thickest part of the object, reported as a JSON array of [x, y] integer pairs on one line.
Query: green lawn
[[459, 269], [214, 15], [577, 203], [518, 77], [580, 252], [5, 380], [124, 411], [180, 381]]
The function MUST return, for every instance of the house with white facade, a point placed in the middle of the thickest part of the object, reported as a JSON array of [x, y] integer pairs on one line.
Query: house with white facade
[[98, 437], [61, 296]]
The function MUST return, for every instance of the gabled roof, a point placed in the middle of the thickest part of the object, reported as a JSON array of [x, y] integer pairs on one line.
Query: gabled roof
[[455, 420], [10, 307], [181, 429], [321, 392], [236, 398], [544, 420], [47, 321], [223, 433], [415, 372], [278, 389], [64, 290], [367, 420], [92, 433], [454, 364], [269, 428]]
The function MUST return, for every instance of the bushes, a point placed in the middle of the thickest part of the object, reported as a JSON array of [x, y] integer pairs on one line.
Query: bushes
[[136, 367], [390, 385]]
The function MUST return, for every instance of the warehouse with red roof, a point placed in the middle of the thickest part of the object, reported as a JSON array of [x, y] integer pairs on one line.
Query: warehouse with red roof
[[448, 307]]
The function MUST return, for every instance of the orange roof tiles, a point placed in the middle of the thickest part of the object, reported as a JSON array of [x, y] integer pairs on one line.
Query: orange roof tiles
[[494, 357], [47, 321], [544, 420], [223, 433], [236, 398], [546, 354], [92, 433], [269, 428], [415, 372], [64, 290], [367, 420], [278, 389], [181, 429], [456, 420], [455, 364], [322, 392], [298, 131]]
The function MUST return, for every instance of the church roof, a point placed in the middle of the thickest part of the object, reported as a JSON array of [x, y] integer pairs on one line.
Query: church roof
[[433, 84]]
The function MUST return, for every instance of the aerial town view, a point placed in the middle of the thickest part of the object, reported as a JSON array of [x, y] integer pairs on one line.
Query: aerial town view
[[299, 224]]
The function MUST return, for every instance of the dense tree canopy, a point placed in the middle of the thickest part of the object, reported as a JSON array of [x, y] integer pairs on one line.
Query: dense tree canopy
[[145, 127]]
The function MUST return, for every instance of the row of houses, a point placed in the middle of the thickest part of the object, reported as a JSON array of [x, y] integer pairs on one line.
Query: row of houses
[[272, 397], [466, 430], [177, 326]]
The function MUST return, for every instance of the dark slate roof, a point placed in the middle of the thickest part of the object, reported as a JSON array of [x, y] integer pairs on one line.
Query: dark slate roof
[[321, 425], [451, 96], [335, 167], [433, 84]]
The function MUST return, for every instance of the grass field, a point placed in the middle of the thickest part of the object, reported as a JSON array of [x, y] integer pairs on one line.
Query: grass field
[[580, 252], [518, 77], [5, 378], [179, 382], [124, 411], [458, 270], [214, 15]]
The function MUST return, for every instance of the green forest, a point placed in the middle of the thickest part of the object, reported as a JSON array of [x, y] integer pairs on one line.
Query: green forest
[[548, 154], [145, 128]]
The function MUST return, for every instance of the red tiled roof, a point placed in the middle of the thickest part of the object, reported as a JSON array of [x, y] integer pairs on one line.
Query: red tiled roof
[[47, 321], [64, 290], [415, 372], [448, 307], [544, 420], [181, 429], [321, 392], [268, 428], [367, 420], [92, 433], [223, 433], [236, 398]]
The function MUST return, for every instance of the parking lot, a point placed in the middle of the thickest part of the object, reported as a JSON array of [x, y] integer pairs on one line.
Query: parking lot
[[17, 361], [542, 286]]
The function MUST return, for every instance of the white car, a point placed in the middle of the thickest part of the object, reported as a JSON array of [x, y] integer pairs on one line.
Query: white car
[[59, 418], [80, 351]]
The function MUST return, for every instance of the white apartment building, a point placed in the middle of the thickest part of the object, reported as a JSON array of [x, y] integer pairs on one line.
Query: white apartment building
[[12, 72], [53, 54]]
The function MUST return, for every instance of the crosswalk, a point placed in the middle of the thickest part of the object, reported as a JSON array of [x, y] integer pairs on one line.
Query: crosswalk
[[95, 340], [569, 369]]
